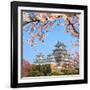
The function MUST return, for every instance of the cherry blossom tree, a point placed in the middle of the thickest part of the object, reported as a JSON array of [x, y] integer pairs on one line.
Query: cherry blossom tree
[[41, 22]]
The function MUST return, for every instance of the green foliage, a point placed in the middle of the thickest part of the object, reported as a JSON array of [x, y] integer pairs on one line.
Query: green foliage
[[55, 73], [70, 71], [45, 70], [34, 73], [40, 70], [66, 71]]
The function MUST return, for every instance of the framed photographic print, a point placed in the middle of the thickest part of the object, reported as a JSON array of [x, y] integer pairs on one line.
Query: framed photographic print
[[48, 44]]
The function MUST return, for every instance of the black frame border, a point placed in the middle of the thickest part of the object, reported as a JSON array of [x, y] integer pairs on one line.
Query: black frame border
[[14, 44]]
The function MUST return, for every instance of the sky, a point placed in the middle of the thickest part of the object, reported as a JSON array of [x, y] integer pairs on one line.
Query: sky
[[56, 33]]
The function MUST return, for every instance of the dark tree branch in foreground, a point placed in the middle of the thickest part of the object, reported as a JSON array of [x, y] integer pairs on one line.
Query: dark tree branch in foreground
[[46, 21]]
